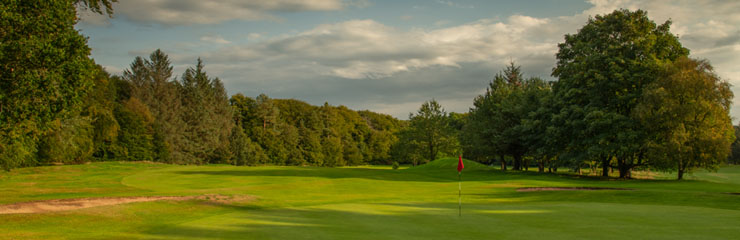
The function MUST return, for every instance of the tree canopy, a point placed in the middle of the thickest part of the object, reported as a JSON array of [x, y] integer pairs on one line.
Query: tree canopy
[[45, 73], [428, 135], [687, 111], [602, 71]]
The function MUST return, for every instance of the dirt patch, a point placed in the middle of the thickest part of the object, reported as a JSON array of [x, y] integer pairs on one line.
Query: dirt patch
[[79, 203], [533, 189], [734, 193]]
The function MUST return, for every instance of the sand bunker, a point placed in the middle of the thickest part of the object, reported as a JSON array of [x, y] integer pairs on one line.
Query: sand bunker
[[532, 189], [78, 203]]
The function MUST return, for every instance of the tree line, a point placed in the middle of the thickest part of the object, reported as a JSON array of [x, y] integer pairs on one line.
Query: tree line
[[627, 97], [59, 107]]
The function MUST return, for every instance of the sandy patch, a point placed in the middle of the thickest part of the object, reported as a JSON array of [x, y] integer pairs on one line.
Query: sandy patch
[[533, 189], [79, 203]]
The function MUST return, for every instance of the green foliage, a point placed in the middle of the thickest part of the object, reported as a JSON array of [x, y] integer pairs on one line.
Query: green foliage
[[192, 119], [511, 118], [17, 150], [292, 132], [136, 138], [602, 72], [44, 75], [152, 85], [687, 111], [428, 136], [245, 152], [449, 164], [207, 116], [99, 106], [69, 142]]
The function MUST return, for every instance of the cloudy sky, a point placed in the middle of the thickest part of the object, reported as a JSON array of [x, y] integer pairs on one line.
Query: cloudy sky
[[385, 56]]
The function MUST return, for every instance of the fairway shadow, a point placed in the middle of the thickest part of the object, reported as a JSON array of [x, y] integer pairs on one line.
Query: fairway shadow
[[353, 221], [342, 173], [415, 175]]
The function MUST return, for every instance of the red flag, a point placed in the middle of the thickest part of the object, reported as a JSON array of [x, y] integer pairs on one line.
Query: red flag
[[460, 165]]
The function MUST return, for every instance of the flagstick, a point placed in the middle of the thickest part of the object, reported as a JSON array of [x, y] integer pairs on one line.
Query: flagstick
[[459, 193]]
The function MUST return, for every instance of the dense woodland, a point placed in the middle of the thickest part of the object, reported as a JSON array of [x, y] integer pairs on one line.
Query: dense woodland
[[627, 97]]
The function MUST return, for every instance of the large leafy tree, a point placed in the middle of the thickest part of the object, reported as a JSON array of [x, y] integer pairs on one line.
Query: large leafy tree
[[45, 72], [536, 110], [483, 136], [498, 124], [382, 135], [94, 129], [688, 110], [429, 133], [602, 72]]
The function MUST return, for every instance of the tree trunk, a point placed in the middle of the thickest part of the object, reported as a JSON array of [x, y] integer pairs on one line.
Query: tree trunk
[[517, 162], [624, 169], [541, 165], [605, 167], [503, 163], [680, 170]]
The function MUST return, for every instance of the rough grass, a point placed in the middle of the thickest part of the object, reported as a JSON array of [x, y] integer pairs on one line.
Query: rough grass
[[367, 203]]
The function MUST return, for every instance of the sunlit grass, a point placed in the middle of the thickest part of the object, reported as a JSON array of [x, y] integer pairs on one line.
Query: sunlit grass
[[368, 202]]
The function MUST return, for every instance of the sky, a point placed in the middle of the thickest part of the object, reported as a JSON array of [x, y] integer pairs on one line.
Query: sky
[[384, 56]]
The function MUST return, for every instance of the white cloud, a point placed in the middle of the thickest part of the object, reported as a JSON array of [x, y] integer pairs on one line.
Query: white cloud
[[184, 12], [381, 54], [214, 39], [365, 64], [368, 49]]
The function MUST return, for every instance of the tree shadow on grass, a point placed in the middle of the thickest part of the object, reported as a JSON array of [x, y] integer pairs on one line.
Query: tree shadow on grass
[[355, 221], [433, 175], [534, 220], [340, 173]]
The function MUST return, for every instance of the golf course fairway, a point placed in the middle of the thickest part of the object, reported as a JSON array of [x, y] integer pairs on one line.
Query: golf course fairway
[[369, 202]]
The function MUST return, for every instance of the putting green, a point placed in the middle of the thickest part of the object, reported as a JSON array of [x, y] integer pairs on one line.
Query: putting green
[[367, 203]]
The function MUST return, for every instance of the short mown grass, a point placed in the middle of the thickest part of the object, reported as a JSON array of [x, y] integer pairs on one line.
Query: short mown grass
[[371, 202]]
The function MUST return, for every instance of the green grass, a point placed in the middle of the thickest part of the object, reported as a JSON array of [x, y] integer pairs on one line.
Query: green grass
[[371, 202]]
